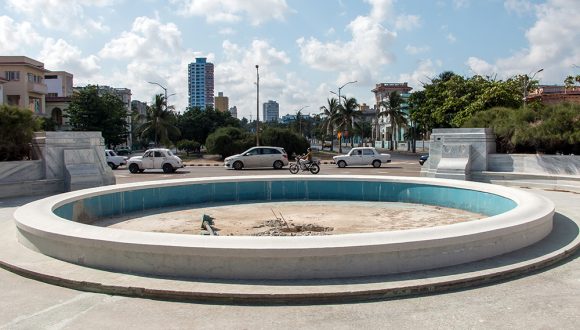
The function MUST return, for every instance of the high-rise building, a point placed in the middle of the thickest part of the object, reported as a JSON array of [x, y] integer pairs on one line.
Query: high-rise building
[[383, 127], [221, 102], [234, 111], [271, 111], [200, 83]]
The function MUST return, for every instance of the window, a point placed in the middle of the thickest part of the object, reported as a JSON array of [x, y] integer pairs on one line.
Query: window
[[368, 152], [158, 154], [12, 75]]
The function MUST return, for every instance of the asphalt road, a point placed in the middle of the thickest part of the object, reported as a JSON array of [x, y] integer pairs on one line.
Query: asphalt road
[[401, 165]]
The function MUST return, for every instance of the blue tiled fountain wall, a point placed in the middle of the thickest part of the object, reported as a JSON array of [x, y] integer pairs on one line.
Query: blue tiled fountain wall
[[120, 203]]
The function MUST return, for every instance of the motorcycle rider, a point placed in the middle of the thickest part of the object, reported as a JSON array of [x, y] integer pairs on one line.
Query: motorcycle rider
[[306, 159]]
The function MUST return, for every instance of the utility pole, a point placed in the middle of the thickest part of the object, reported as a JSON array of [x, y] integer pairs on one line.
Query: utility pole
[[257, 106]]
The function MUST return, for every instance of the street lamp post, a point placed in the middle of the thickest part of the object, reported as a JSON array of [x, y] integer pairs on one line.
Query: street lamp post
[[257, 106], [339, 89], [527, 84], [164, 89]]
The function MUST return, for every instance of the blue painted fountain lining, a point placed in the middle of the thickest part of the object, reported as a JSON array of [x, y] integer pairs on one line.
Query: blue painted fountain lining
[[120, 203]]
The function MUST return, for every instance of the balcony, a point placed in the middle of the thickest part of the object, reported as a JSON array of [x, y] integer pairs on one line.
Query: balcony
[[37, 88]]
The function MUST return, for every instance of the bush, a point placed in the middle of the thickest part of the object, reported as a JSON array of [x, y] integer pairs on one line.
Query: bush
[[16, 130], [189, 146], [227, 141], [279, 137], [550, 129]]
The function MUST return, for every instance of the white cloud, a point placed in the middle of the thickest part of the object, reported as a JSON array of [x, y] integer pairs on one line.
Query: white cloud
[[58, 55], [425, 70], [232, 11], [407, 22], [62, 15], [461, 3], [519, 6], [451, 38], [414, 50], [553, 44], [15, 35], [358, 58], [381, 9]]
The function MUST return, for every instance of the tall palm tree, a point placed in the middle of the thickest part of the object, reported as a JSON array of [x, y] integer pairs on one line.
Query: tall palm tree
[[347, 114], [396, 117], [329, 113], [160, 121]]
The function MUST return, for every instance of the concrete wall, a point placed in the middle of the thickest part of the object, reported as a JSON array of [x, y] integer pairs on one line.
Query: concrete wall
[[52, 172]]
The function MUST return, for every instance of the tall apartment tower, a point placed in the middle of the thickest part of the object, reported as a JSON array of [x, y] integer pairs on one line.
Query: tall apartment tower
[[234, 111], [271, 111], [221, 102], [200, 83]]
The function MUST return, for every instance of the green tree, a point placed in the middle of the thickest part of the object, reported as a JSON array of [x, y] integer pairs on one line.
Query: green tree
[[197, 124], [291, 142], [345, 117], [160, 122], [392, 111], [90, 111], [17, 128], [189, 146], [329, 113], [227, 141]]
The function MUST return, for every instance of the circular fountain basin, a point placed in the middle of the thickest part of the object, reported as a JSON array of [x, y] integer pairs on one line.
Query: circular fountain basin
[[59, 227]]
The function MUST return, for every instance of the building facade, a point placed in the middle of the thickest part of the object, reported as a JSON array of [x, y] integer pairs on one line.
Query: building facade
[[383, 133], [59, 86], [222, 102], [234, 111], [550, 95], [200, 83], [270, 111], [24, 84]]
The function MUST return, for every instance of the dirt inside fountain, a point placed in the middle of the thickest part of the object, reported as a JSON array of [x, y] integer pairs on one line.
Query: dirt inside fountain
[[292, 218]]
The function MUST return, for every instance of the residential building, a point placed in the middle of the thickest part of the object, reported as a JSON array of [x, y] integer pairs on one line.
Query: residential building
[[200, 83], [234, 111], [24, 84], [271, 111], [383, 132], [554, 94], [221, 102], [59, 92], [2, 82]]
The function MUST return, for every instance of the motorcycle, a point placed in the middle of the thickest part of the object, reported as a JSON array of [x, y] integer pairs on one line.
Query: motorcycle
[[312, 167]]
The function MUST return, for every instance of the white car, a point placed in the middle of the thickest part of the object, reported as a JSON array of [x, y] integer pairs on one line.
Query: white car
[[362, 156], [155, 159], [275, 157], [114, 160]]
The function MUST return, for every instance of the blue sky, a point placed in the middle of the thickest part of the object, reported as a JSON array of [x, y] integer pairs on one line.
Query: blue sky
[[305, 48]]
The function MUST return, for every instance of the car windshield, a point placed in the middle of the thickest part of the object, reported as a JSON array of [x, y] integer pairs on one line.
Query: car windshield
[[169, 153], [112, 153]]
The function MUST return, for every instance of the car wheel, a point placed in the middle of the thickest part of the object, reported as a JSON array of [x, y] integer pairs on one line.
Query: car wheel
[[141, 171], [341, 164], [111, 165], [238, 165], [314, 169], [376, 163], [278, 164], [167, 168], [134, 168]]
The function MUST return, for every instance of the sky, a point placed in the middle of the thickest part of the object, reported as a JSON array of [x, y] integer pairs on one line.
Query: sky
[[304, 48]]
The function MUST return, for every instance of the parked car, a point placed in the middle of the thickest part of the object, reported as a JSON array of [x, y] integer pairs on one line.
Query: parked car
[[155, 159], [123, 151], [114, 160], [423, 159], [275, 157], [362, 156]]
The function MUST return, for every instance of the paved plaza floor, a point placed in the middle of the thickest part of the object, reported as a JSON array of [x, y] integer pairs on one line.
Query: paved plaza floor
[[548, 298]]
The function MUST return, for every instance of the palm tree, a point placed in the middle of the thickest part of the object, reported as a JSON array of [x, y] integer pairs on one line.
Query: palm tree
[[394, 114], [347, 114], [160, 121], [329, 113]]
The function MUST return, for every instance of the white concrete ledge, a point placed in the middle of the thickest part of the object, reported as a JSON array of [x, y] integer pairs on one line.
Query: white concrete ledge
[[231, 257]]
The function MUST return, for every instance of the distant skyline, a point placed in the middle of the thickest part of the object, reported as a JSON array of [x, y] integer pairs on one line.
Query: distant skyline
[[304, 48]]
